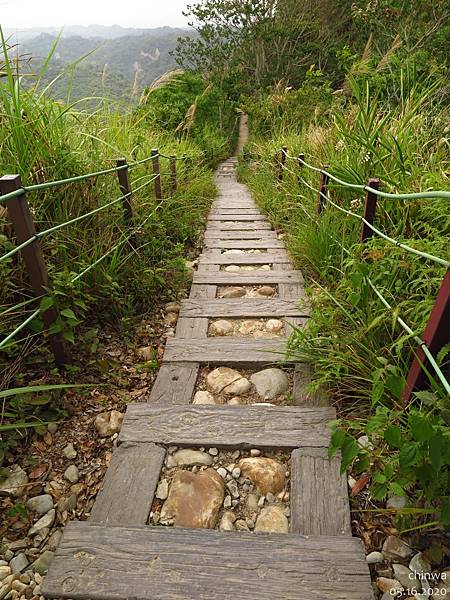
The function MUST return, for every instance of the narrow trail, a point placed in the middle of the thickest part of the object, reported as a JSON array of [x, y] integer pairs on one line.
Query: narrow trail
[[215, 402]]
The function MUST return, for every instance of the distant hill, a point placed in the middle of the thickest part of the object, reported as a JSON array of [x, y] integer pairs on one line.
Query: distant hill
[[107, 32], [114, 66]]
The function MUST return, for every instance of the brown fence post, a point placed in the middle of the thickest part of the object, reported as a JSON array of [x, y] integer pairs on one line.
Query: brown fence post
[[157, 173], [436, 336], [323, 190], [301, 158], [173, 173], [282, 163], [24, 229], [369, 210], [125, 190]]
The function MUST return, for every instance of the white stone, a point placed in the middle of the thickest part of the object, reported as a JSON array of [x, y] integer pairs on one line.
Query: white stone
[[203, 397], [163, 489], [234, 401], [19, 563], [269, 383], [227, 381], [72, 474], [419, 564], [232, 268], [44, 522], [365, 443], [234, 251], [108, 423], [233, 292], [15, 482], [374, 557], [222, 472], [272, 519], [188, 458], [221, 327], [40, 504], [70, 452], [227, 521], [404, 576], [274, 325], [396, 502], [213, 451]]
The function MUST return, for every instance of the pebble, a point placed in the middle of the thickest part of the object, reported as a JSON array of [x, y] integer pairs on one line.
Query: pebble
[[269, 383], [42, 564], [235, 473], [419, 564], [108, 423], [227, 502], [163, 489], [44, 522], [255, 452], [250, 523], [221, 327], [404, 576], [187, 458], [171, 318], [270, 497], [222, 472], [261, 501], [374, 557], [227, 521], [172, 307], [52, 427], [40, 504], [233, 292], [233, 488], [203, 397], [19, 563], [232, 268], [234, 401], [4, 572], [274, 325], [227, 381], [213, 451], [241, 525], [272, 519], [394, 548], [385, 585], [72, 474], [15, 482], [266, 290], [67, 503], [396, 502]]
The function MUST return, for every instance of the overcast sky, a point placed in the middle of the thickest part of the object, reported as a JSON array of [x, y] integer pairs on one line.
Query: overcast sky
[[131, 13]]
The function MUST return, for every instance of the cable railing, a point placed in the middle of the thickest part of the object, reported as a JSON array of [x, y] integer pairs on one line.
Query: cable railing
[[437, 331], [14, 195]]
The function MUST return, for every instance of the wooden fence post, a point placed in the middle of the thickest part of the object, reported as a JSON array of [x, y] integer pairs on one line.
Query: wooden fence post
[[157, 172], [24, 229], [173, 173], [436, 336], [125, 190], [369, 210], [323, 193], [282, 163], [301, 157]]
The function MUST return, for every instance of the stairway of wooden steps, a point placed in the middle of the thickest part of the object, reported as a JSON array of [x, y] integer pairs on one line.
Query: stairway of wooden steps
[[116, 555]]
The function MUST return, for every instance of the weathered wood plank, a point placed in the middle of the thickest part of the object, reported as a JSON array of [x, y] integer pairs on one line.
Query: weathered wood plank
[[203, 291], [129, 485], [293, 291], [239, 226], [244, 244], [224, 426], [250, 278], [234, 211], [319, 498], [301, 394], [236, 217], [240, 307], [266, 234], [192, 328], [226, 351], [161, 563], [175, 383], [266, 258]]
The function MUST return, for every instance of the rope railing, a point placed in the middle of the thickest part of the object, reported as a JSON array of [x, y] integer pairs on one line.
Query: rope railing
[[11, 189], [439, 320]]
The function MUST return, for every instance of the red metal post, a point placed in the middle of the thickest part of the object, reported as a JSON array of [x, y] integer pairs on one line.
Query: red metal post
[[436, 336], [369, 210], [323, 193]]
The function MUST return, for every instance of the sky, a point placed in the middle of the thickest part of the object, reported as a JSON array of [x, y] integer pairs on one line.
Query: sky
[[19, 14]]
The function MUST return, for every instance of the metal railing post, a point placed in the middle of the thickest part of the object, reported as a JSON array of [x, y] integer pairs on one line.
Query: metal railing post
[[157, 173], [125, 190], [323, 190], [282, 163], [369, 210]]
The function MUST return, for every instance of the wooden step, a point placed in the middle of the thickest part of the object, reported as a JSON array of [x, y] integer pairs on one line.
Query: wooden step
[[319, 497], [224, 426], [164, 563], [241, 235], [248, 277], [226, 351], [242, 307], [175, 383], [244, 244], [239, 226], [237, 217], [266, 258]]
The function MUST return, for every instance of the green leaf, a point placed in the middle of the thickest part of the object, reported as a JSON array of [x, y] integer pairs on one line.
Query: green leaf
[[396, 489], [349, 450], [408, 455], [379, 491], [379, 477], [68, 335], [38, 400], [393, 436], [377, 391], [426, 397], [435, 450], [395, 384], [46, 303], [68, 313], [388, 470], [421, 428], [337, 439], [40, 388]]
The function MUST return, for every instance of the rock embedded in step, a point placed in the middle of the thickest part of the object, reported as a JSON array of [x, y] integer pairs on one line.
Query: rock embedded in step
[[42, 564], [252, 502], [267, 474], [44, 522], [221, 327], [232, 269], [224, 380], [234, 401], [270, 383], [194, 500], [227, 503], [265, 291], [374, 557], [222, 472], [233, 251], [188, 458], [394, 548], [172, 307], [18, 563], [70, 452], [213, 451], [233, 292], [203, 397], [15, 482], [272, 519], [72, 474], [248, 327], [108, 423], [241, 525], [274, 325], [255, 452], [227, 521], [40, 504], [233, 488], [265, 268]]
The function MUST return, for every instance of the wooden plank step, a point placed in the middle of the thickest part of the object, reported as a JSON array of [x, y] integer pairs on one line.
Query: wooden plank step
[[239, 226], [225, 426], [236, 217], [175, 383], [226, 351], [164, 563], [241, 307], [235, 211], [249, 277], [267, 258], [244, 244], [319, 498], [254, 234], [127, 490]]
